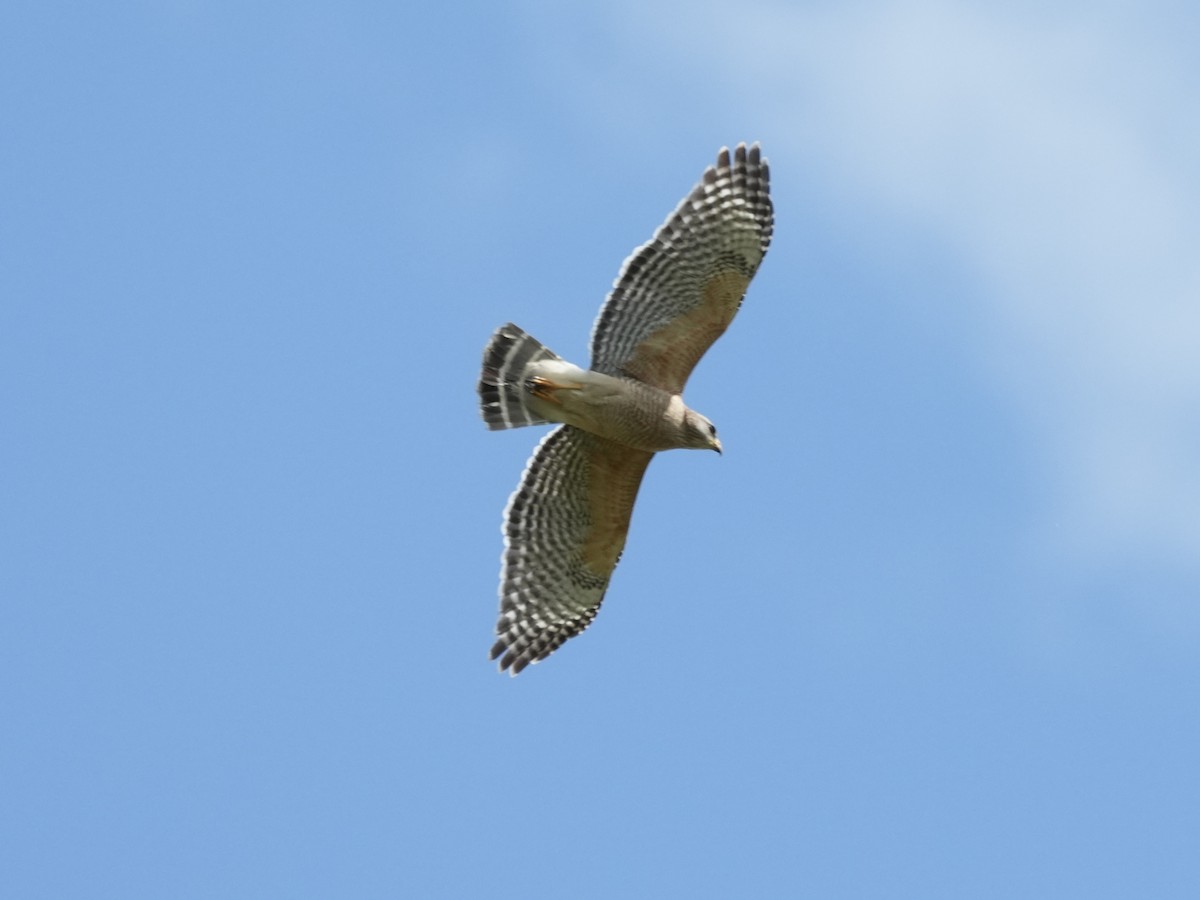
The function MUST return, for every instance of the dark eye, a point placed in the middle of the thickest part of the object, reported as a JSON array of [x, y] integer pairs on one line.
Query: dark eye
[[712, 429]]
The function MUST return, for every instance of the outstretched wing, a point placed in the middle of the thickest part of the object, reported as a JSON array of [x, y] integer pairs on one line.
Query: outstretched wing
[[679, 292], [564, 530]]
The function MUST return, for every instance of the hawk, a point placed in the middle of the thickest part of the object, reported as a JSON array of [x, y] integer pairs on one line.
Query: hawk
[[565, 525]]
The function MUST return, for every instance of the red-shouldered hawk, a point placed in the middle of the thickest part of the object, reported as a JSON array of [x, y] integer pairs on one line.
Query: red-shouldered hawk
[[565, 525]]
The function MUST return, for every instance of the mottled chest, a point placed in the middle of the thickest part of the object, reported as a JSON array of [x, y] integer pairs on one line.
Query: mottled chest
[[620, 409]]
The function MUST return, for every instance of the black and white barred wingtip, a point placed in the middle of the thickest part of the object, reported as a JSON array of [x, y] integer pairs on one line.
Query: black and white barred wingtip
[[518, 651], [546, 596], [742, 174], [517, 647], [750, 173], [501, 390]]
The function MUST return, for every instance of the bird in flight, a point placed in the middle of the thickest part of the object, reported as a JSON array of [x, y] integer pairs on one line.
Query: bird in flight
[[565, 525]]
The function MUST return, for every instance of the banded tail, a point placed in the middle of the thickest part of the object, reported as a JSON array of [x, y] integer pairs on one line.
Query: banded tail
[[502, 383]]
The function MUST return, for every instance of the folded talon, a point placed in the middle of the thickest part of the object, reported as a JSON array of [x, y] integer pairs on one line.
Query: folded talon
[[544, 388]]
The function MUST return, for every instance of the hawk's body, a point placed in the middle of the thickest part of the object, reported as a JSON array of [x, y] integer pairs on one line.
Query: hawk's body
[[565, 525]]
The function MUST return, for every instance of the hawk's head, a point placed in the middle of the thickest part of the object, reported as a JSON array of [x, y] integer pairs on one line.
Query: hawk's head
[[699, 433]]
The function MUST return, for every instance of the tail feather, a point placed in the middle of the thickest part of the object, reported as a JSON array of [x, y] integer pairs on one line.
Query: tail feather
[[501, 385]]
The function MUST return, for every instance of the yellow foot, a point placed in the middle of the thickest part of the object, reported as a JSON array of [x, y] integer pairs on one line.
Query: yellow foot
[[544, 388]]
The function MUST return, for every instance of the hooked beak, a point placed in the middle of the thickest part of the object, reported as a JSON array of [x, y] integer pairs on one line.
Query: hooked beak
[[716, 445]]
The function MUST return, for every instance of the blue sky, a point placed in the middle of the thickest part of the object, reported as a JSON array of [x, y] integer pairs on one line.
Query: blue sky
[[929, 628]]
